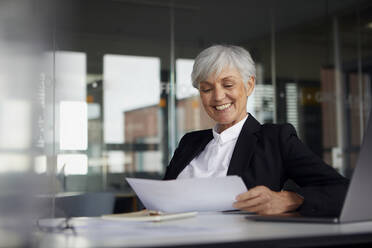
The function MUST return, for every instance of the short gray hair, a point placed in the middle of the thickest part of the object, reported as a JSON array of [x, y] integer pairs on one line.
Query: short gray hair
[[213, 59]]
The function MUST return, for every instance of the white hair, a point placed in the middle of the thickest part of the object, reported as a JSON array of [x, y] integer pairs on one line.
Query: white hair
[[212, 60]]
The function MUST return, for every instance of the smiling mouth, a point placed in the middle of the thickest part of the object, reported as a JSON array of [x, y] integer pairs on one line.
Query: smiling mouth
[[223, 107]]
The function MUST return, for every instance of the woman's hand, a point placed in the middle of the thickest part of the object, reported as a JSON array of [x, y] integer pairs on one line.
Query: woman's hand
[[263, 201]]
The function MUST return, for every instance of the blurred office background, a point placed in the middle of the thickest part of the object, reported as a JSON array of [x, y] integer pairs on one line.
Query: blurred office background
[[96, 91]]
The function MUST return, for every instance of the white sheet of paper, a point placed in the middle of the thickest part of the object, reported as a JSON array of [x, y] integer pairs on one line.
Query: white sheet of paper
[[182, 195]]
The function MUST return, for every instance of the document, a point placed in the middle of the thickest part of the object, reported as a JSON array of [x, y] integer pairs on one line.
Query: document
[[186, 195]]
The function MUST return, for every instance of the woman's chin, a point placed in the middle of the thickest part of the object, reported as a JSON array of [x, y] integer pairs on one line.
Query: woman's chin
[[223, 117], [224, 121]]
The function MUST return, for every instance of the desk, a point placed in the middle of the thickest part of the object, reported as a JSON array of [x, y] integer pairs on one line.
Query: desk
[[206, 230]]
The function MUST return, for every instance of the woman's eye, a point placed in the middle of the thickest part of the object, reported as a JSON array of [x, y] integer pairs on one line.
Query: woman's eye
[[205, 90], [228, 85]]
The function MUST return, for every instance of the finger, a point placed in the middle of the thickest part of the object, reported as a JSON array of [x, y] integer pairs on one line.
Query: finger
[[255, 209], [249, 203], [250, 194], [253, 193]]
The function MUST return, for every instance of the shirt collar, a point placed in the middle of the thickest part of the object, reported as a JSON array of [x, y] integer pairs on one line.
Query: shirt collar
[[229, 134]]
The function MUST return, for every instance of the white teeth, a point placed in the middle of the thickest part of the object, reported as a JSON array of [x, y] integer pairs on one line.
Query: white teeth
[[222, 107]]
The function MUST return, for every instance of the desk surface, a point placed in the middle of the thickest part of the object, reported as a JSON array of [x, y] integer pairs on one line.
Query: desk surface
[[205, 230]]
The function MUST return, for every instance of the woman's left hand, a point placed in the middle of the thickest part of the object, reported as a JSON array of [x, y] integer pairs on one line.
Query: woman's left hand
[[263, 201]]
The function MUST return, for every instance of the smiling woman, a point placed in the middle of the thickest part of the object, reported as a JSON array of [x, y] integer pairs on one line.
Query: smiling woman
[[224, 97], [225, 77], [265, 156]]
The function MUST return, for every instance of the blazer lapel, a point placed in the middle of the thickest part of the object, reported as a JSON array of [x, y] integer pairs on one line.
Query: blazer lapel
[[244, 147], [193, 150]]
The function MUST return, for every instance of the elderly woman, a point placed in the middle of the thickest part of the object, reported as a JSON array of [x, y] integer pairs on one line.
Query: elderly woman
[[264, 156]]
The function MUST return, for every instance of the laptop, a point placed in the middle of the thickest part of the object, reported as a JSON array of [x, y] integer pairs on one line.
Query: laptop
[[358, 203]]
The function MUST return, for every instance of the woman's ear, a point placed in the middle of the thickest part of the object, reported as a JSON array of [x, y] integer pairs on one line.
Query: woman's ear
[[250, 85]]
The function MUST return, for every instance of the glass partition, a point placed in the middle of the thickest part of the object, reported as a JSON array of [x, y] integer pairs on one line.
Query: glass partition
[[123, 80], [23, 122], [112, 67]]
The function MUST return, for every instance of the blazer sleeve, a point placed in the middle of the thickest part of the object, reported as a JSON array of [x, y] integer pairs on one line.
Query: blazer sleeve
[[322, 187]]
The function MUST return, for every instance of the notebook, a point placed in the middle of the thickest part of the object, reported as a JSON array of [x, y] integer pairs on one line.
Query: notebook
[[147, 215]]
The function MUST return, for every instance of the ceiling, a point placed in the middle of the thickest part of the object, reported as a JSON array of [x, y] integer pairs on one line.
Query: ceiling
[[197, 21], [143, 27]]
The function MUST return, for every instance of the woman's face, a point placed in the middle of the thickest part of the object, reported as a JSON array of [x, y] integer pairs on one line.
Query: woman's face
[[224, 97]]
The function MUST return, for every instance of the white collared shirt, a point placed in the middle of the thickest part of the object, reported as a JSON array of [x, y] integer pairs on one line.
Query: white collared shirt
[[214, 160]]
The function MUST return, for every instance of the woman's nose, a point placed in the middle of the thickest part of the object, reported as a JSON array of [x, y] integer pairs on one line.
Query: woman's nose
[[219, 94]]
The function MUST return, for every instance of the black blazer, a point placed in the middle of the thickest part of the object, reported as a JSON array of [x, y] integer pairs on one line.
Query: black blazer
[[269, 155]]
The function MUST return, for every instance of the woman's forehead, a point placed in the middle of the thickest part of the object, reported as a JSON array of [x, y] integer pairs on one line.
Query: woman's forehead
[[227, 71]]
